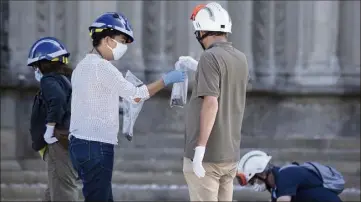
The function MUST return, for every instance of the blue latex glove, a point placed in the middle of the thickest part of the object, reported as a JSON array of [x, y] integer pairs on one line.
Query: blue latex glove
[[174, 76]]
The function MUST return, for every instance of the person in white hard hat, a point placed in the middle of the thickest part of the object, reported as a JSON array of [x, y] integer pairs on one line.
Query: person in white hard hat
[[215, 111], [290, 183]]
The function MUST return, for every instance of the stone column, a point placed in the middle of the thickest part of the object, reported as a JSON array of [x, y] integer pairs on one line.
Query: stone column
[[87, 12], [9, 137], [22, 34], [317, 63], [158, 38], [349, 43], [133, 58], [71, 27], [241, 13], [263, 42]]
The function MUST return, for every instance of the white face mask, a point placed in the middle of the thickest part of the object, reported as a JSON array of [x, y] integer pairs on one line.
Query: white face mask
[[260, 187], [119, 50], [38, 74]]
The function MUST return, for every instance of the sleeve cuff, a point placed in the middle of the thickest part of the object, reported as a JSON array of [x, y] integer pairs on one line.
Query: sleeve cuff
[[142, 92], [202, 94]]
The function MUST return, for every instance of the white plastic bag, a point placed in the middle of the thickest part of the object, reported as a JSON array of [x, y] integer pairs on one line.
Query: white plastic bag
[[180, 90], [130, 108]]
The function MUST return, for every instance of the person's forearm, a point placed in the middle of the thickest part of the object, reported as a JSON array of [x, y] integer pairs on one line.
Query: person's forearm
[[207, 118], [155, 87]]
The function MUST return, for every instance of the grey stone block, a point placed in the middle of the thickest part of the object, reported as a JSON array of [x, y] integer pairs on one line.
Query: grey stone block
[[278, 154], [8, 143], [8, 108], [130, 177], [163, 166], [147, 193], [176, 140]]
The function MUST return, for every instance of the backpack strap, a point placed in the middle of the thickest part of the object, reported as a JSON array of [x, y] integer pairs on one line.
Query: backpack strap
[[69, 85], [316, 169], [66, 80]]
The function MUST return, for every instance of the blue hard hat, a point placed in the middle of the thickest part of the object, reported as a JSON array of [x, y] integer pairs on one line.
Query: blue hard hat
[[48, 48], [113, 20]]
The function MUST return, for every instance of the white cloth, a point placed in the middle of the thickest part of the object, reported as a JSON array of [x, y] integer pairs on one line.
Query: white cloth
[[97, 86]]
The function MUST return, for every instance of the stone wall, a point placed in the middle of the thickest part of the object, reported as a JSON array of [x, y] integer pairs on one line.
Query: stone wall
[[277, 116], [304, 59]]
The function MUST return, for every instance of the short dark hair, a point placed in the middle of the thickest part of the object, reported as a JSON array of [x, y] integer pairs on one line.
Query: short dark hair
[[98, 36], [212, 33], [46, 66]]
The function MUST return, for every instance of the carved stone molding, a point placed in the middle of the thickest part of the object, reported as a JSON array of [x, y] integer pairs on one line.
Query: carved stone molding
[[241, 13], [22, 18], [88, 11], [317, 62], [263, 41], [4, 34], [157, 38], [133, 58], [348, 49]]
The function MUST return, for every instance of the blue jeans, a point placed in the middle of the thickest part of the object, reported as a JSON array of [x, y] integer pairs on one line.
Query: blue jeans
[[94, 163]]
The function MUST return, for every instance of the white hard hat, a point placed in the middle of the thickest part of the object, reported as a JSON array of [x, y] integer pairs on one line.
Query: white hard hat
[[211, 17], [252, 163]]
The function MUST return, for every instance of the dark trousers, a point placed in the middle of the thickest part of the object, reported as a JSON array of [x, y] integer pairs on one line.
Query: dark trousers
[[94, 163]]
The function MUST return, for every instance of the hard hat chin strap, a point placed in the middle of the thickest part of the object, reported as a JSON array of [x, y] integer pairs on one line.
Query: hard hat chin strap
[[200, 38]]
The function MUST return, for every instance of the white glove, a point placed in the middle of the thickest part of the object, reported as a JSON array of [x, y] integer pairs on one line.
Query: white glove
[[189, 62], [197, 161], [48, 136]]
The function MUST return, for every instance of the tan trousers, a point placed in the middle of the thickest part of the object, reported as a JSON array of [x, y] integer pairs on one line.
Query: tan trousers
[[61, 175], [216, 185]]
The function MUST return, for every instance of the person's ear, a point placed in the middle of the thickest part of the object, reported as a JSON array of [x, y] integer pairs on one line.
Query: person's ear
[[262, 175]]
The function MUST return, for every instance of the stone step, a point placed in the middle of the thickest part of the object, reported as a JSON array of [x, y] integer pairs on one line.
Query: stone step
[[347, 168], [152, 192], [278, 154], [34, 177], [177, 141]]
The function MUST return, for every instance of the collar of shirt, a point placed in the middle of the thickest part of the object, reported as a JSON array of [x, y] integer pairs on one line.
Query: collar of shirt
[[220, 44]]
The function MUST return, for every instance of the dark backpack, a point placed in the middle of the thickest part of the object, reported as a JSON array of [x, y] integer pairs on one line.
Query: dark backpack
[[331, 178], [37, 122]]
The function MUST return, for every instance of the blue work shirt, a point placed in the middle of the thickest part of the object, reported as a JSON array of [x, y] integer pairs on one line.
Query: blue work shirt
[[301, 184]]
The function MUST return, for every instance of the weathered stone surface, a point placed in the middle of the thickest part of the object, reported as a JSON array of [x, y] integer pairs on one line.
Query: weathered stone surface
[[147, 193], [8, 144], [351, 168], [160, 178], [302, 116]]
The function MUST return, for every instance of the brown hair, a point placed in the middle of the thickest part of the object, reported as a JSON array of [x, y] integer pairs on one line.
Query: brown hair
[[46, 66]]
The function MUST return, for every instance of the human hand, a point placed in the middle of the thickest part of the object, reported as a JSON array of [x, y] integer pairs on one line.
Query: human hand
[[188, 62], [197, 161], [48, 136], [174, 76]]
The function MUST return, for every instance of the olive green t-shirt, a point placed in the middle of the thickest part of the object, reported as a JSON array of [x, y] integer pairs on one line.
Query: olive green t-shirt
[[222, 72]]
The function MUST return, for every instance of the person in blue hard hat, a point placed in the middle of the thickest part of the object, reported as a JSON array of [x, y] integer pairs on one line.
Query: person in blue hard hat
[[50, 116], [97, 86]]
